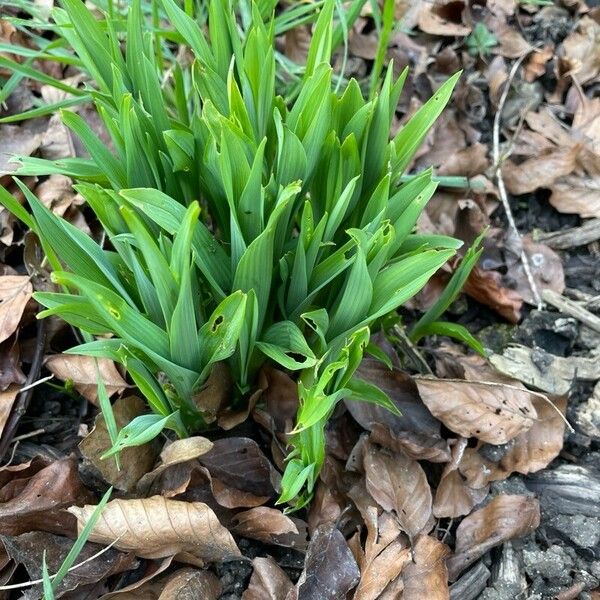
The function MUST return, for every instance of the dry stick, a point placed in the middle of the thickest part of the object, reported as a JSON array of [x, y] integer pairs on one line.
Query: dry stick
[[502, 188]]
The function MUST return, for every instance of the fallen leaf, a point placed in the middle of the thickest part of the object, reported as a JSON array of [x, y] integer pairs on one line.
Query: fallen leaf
[[486, 287], [399, 484], [442, 18], [267, 525], [582, 49], [239, 463], [7, 399], [156, 527], [577, 195], [37, 502], [81, 370], [134, 462], [57, 194], [21, 140], [10, 369], [27, 549], [427, 575], [175, 453], [330, 570], [504, 518], [541, 171], [453, 496], [145, 583], [214, 395], [535, 67], [492, 412], [511, 44], [15, 292], [268, 581]]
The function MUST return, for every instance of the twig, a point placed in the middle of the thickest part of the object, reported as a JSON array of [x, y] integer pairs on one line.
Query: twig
[[22, 402], [572, 309], [502, 188]]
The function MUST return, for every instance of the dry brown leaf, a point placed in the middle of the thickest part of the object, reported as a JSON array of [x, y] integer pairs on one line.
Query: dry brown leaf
[[399, 484], [504, 518], [57, 194], [453, 497], [81, 370], [535, 67], [486, 287], [511, 44], [330, 570], [582, 49], [215, 393], [442, 18], [137, 590], [175, 453], [466, 162], [492, 412], [134, 462], [15, 292], [267, 525], [427, 575], [156, 527], [21, 140], [541, 171], [7, 399], [36, 501], [577, 195], [268, 582]]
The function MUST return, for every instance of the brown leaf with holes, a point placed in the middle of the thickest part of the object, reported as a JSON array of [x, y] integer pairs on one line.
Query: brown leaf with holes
[[492, 412], [268, 582], [157, 527], [15, 293], [36, 501], [540, 171], [330, 569], [427, 575], [453, 496], [399, 484], [504, 518], [486, 287], [81, 370]]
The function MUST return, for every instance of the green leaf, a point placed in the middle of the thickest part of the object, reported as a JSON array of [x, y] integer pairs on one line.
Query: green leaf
[[139, 431], [364, 391], [285, 344], [456, 331]]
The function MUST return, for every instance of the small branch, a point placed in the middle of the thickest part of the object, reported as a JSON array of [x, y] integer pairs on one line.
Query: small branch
[[500, 182]]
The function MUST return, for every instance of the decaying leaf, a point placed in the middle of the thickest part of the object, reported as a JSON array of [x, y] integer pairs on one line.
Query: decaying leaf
[[453, 496], [36, 501], [504, 518], [443, 18], [175, 453], [582, 49], [81, 370], [134, 462], [27, 549], [268, 581], [399, 484], [7, 399], [427, 575], [268, 525], [577, 195], [330, 570], [15, 292], [492, 412], [157, 527]]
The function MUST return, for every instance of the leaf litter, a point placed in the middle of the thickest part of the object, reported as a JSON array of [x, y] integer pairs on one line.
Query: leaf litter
[[406, 504]]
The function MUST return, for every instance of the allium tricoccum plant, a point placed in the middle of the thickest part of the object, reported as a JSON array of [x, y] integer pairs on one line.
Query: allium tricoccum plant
[[241, 228]]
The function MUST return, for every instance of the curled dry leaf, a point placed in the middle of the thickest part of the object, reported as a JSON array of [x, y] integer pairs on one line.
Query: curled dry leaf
[[134, 462], [582, 49], [156, 527], [175, 453], [399, 484], [7, 399], [36, 501], [492, 412], [442, 18], [268, 582], [504, 518], [15, 292], [427, 575], [81, 370], [330, 570], [540, 171], [453, 496], [486, 287], [536, 64]]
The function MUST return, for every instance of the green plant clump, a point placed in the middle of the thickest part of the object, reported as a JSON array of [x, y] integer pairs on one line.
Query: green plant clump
[[240, 228]]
